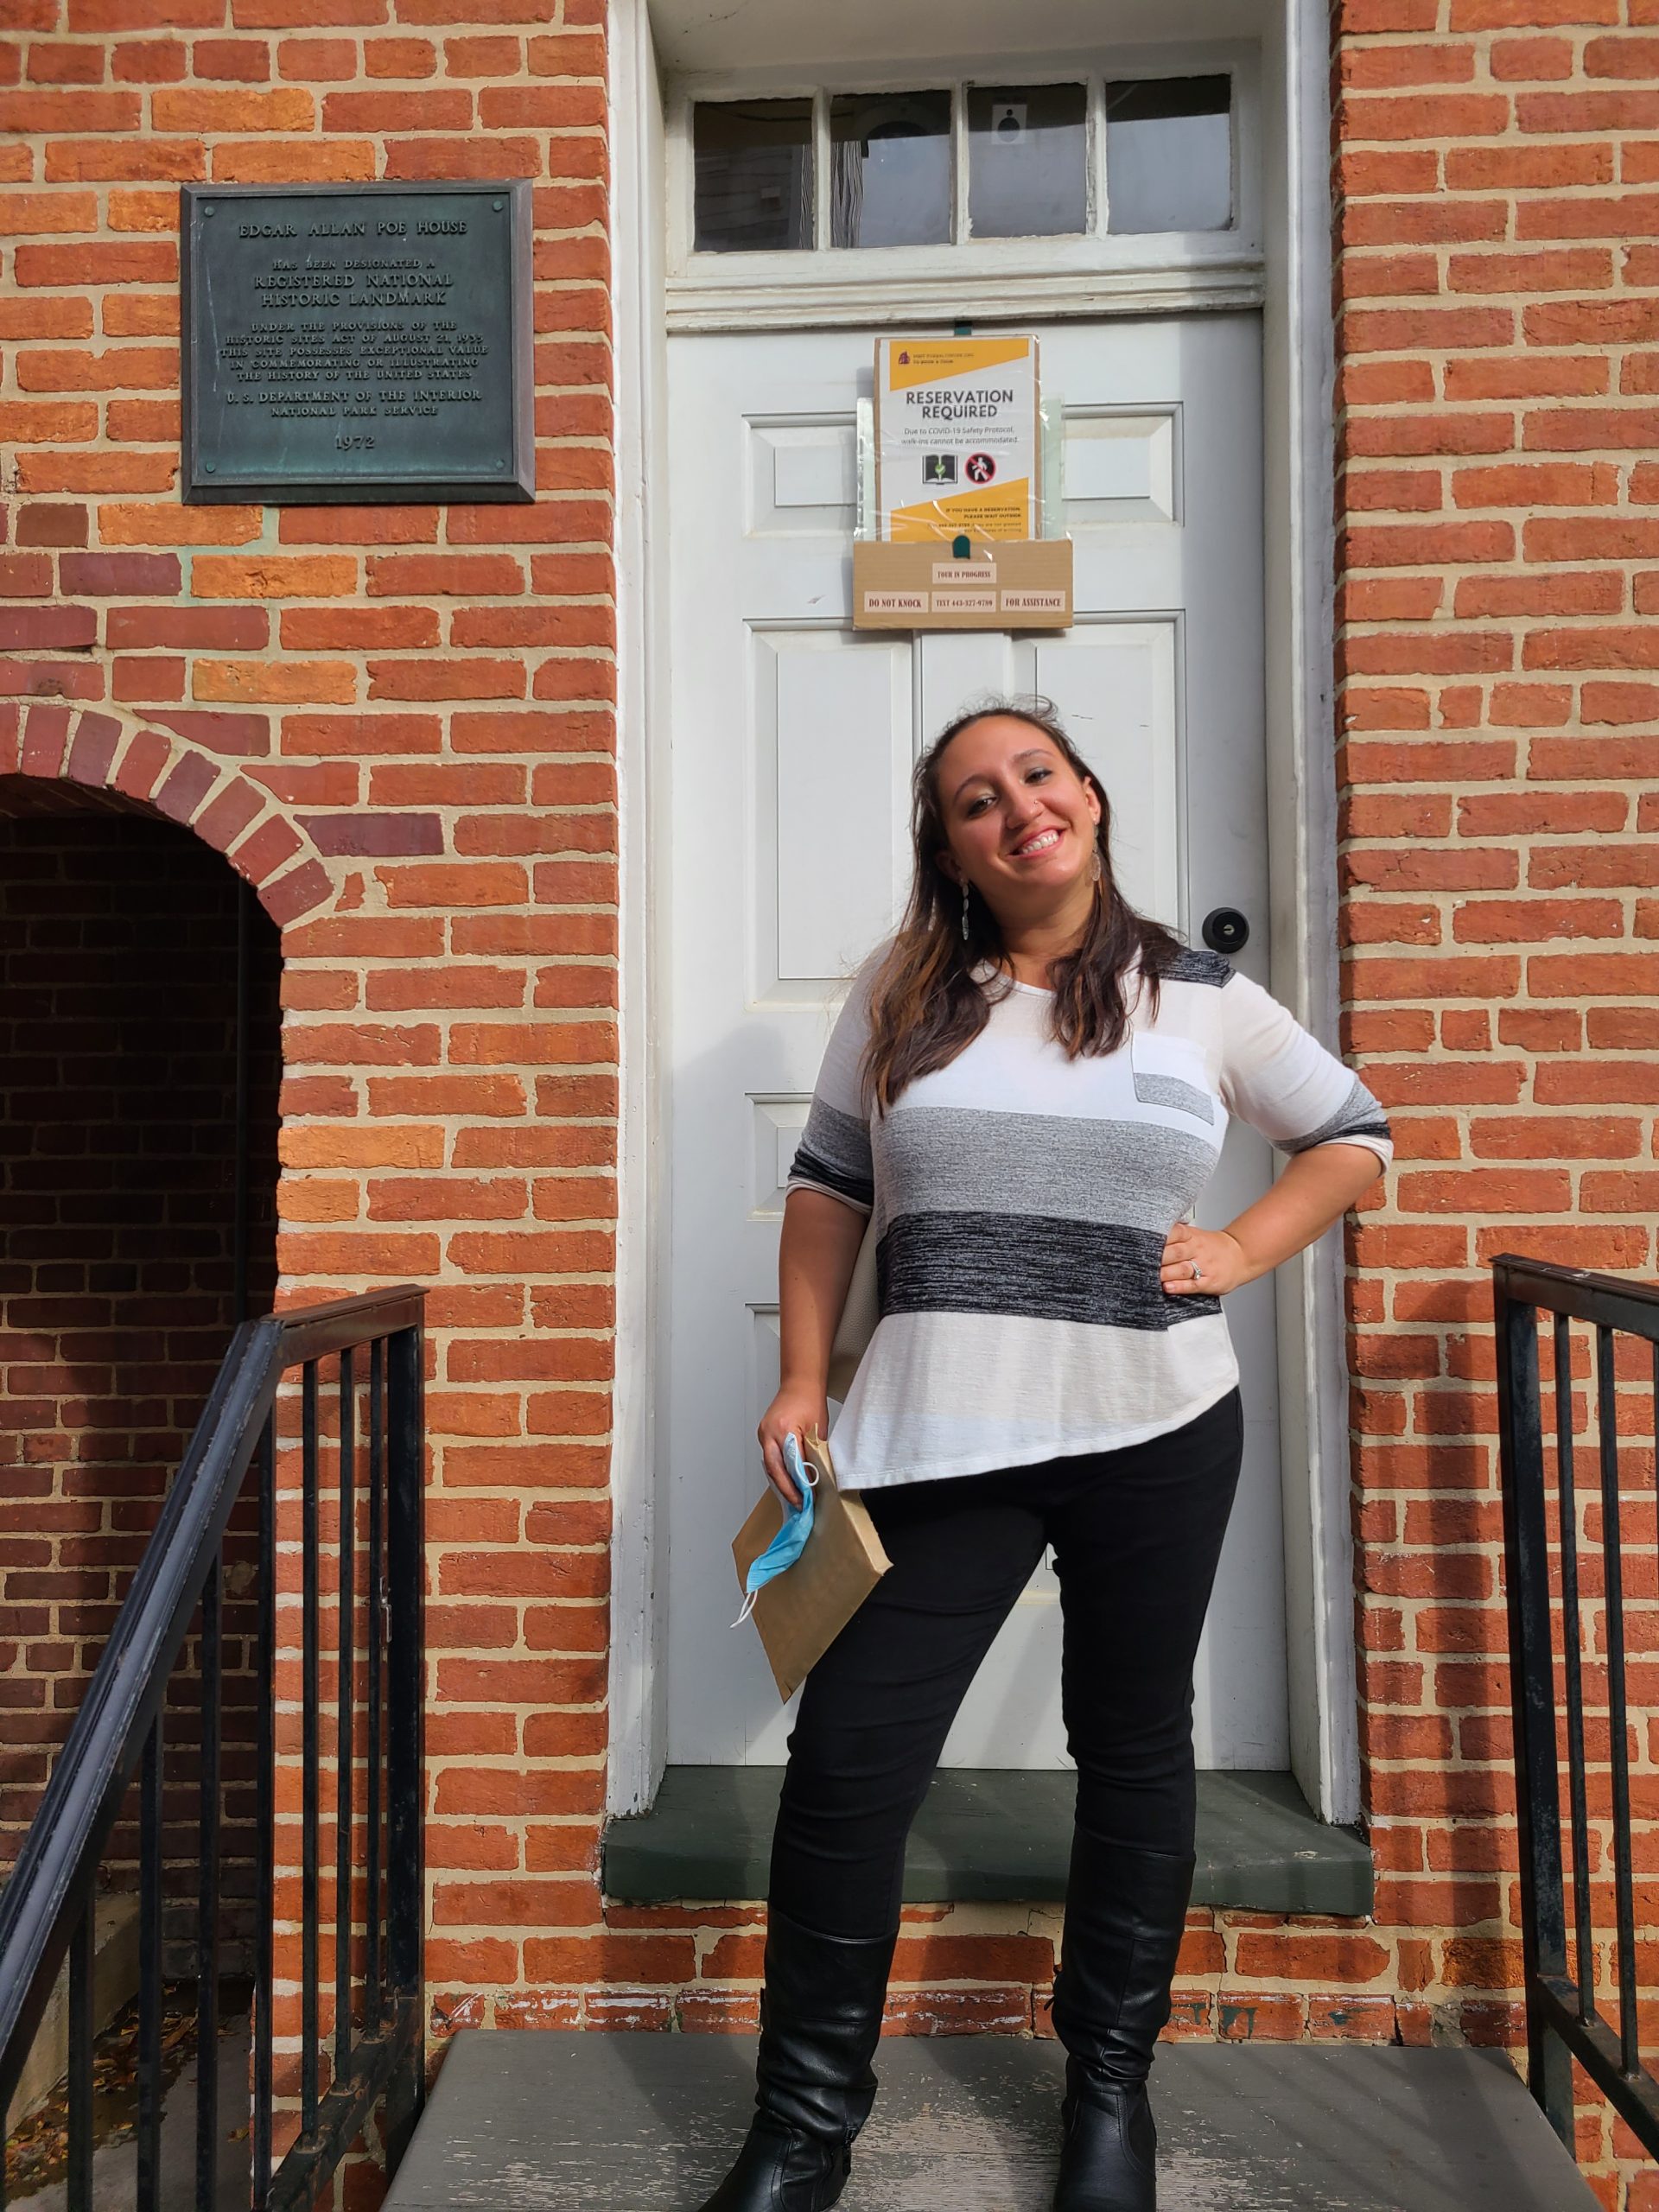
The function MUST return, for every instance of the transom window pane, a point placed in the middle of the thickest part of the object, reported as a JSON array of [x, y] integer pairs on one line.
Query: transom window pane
[[1027, 160], [753, 176], [890, 168], [1169, 155]]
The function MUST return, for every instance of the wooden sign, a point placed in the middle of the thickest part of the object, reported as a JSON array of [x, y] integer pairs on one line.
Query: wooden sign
[[1015, 584]]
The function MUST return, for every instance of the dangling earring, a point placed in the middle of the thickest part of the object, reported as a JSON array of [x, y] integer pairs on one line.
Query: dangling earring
[[1096, 870], [964, 913]]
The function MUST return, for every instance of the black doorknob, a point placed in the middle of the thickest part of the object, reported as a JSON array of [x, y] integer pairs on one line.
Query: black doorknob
[[1225, 930]]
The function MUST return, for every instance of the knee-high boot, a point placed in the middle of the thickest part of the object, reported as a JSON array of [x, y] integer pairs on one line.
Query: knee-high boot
[[1124, 1912], [820, 2018]]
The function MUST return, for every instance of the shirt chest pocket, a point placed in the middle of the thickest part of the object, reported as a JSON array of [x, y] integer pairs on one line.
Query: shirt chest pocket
[[1171, 1072]]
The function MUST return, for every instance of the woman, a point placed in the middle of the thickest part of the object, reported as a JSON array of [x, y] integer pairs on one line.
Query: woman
[[1028, 1087]]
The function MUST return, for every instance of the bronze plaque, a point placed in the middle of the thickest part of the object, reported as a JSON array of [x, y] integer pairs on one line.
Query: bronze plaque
[[356, 342]]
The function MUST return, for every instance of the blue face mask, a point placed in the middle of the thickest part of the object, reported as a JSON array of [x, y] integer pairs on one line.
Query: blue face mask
[[790, 1541]]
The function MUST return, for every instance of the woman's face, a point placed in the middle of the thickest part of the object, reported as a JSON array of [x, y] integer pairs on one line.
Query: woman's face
[[1018, 820]]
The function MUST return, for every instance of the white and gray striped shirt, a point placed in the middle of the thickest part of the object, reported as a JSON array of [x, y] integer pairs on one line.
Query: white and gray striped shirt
[[1022, 1202]]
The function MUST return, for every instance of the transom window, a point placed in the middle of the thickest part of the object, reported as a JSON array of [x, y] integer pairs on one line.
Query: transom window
[[941, 165]]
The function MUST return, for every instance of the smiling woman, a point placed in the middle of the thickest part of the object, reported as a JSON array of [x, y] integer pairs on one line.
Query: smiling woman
[[1024, 1094], [1029, 1087]]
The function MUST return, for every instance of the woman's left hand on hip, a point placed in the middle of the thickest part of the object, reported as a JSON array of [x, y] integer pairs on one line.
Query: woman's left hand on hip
[[1208, 1261]]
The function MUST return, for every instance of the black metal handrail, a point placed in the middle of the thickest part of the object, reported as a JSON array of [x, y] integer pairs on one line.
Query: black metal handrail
[[1563, 2021], [47, 1907]]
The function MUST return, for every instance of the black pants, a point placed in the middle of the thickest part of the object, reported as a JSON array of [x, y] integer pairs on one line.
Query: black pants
[[1137, 1535]]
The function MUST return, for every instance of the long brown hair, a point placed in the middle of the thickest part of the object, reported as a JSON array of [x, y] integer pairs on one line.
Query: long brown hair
[[926, 1004]]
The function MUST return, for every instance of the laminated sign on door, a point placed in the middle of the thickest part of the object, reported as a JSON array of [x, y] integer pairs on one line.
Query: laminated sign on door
[[956, 436]]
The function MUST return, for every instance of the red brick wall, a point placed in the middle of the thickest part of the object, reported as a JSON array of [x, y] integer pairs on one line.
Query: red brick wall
[[397, 723], [1497, 164], [117, 1211]]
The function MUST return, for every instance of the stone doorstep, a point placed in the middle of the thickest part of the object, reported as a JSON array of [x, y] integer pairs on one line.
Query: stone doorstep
[[990, 1835], [553, 2121], [115, 1980]]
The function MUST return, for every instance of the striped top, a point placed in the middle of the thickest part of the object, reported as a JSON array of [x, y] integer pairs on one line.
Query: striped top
[[1022, 1202]]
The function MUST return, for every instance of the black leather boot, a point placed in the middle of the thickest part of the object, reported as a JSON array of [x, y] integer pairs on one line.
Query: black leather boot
[[1124, 1913], [820, 2018]]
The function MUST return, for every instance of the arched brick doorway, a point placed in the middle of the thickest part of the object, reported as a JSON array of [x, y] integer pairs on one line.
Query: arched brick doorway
[[140, 1046]]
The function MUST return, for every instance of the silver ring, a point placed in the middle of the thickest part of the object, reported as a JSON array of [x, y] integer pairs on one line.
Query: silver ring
[[1197, 1272]]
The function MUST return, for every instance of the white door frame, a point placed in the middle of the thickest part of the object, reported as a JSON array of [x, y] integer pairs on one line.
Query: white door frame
[[1299, 364]]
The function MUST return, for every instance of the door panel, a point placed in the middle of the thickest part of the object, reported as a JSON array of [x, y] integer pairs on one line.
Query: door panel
[[1114, 683], [815, 921], [1119, 467], [803, 477], [956, 668], [787, 860]]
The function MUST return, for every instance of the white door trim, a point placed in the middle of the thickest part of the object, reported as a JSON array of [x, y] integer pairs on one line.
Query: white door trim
[[1300, 386], [801, 301], [639, 1713], [1300, 382], [981, 280]]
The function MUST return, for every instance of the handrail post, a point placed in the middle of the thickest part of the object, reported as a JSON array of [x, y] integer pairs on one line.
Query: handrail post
[[406, 1720], [1538, 1819]]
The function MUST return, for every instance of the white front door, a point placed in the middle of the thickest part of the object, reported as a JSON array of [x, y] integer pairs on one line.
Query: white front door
[[784, 860]]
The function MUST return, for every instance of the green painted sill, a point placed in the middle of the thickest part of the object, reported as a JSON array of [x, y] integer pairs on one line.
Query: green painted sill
[[989, 1835]]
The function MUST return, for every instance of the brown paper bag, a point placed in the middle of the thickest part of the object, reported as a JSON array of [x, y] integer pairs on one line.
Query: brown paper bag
[[801, 1611]]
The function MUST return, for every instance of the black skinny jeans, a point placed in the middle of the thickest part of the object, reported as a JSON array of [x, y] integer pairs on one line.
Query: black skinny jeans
[[1137, 1535]]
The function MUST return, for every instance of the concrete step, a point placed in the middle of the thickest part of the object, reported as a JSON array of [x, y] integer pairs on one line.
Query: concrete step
[[561, 2122], [115, 2160], [115, 1979]]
